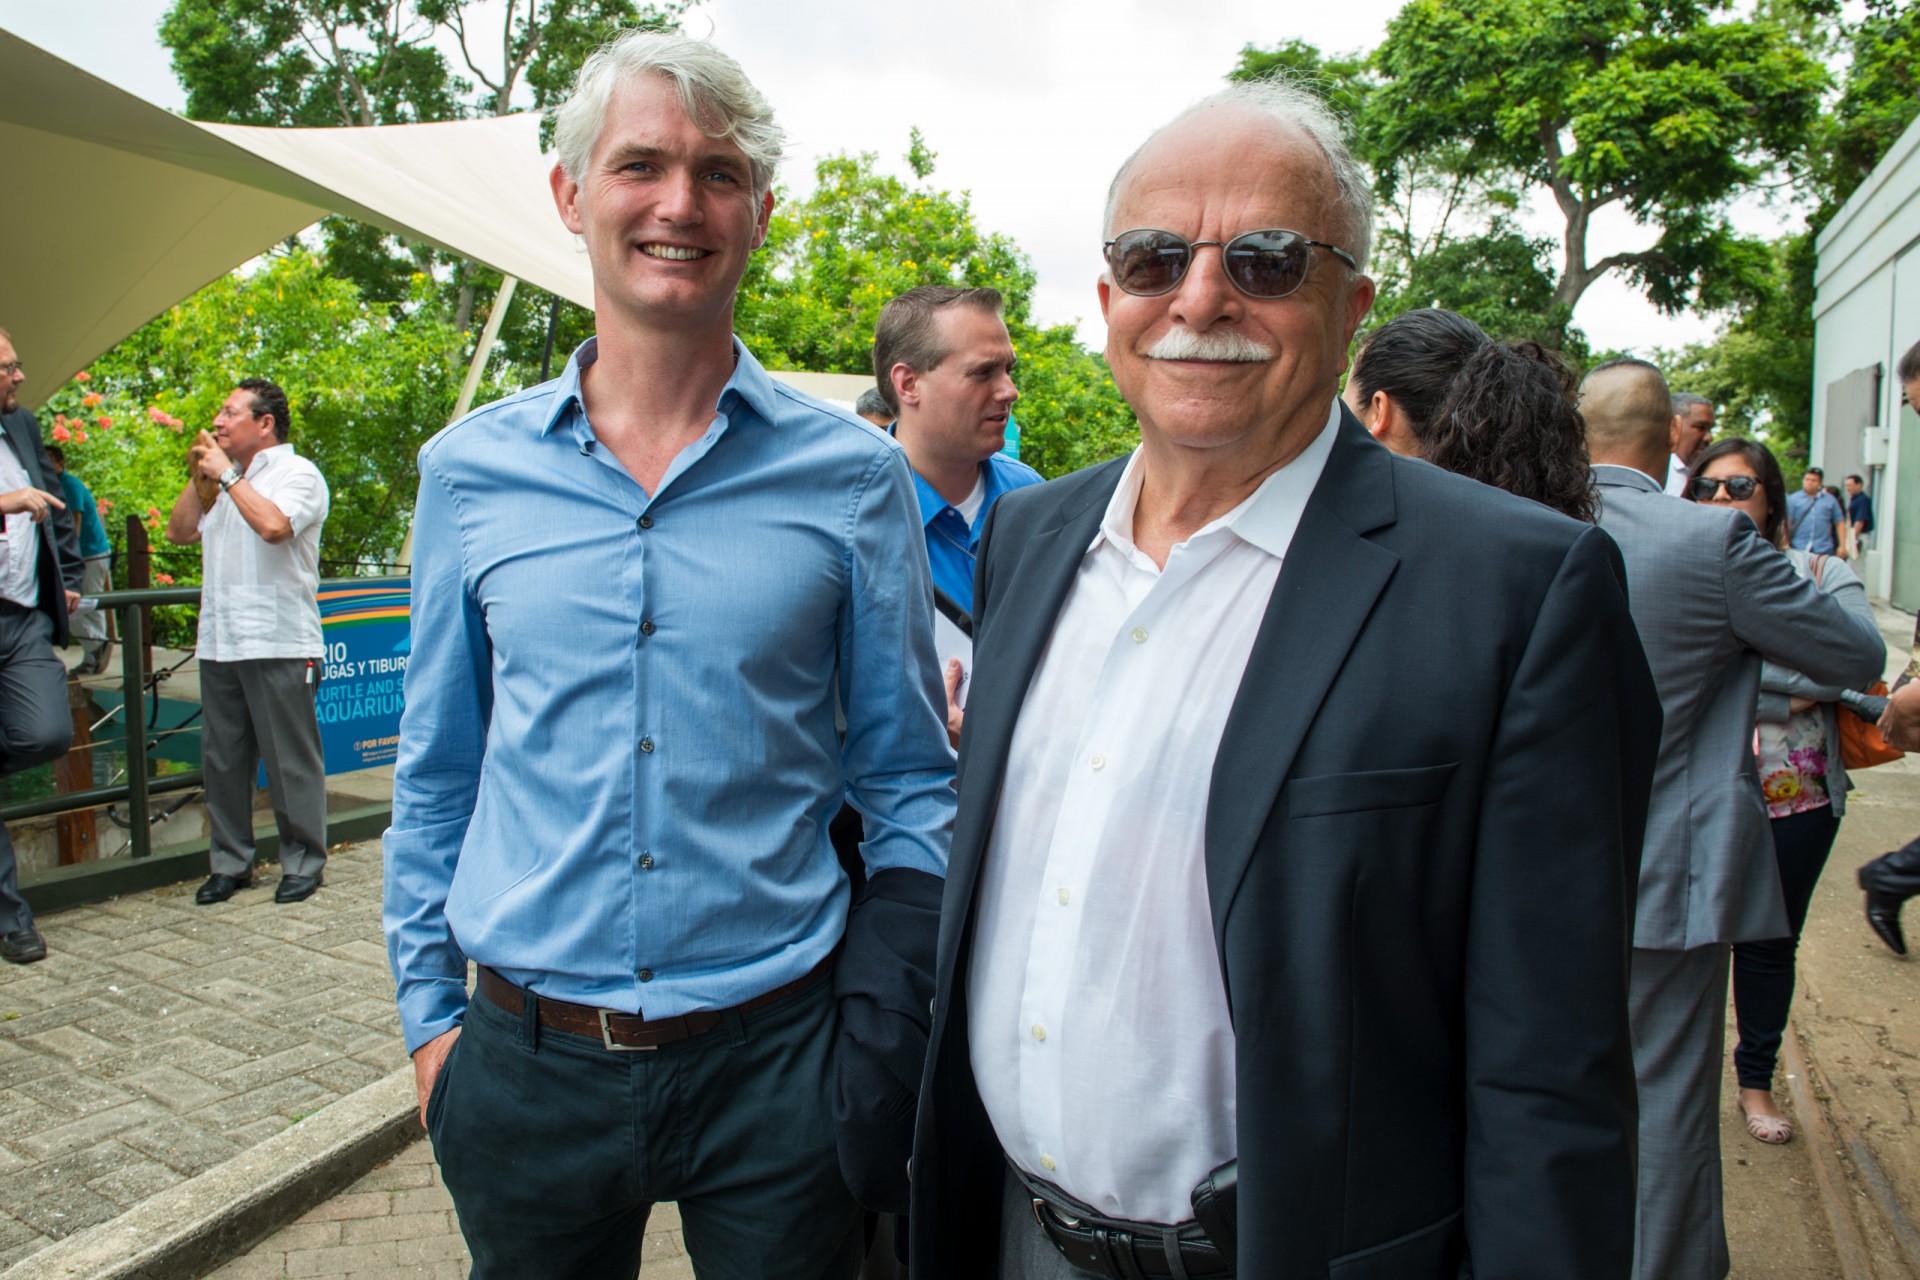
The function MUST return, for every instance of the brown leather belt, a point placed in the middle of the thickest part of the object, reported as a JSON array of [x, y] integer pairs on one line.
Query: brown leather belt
[[631, 1032]]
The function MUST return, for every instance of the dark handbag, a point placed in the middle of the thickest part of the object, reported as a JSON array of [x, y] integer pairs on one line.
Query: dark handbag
[[1216, 1209]]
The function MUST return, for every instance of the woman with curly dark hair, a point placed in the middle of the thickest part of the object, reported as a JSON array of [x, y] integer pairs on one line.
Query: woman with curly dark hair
[[1431, 384]]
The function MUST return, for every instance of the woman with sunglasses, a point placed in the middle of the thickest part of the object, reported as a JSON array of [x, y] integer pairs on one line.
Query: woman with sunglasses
[[1797, 737], [1431, 384]]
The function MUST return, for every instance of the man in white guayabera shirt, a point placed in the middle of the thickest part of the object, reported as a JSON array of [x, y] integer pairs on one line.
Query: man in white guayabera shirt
[[1285, 928], [256, 507]]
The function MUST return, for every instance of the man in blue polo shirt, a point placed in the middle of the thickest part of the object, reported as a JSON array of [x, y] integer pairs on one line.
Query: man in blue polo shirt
[[89, 628], [944, 363]]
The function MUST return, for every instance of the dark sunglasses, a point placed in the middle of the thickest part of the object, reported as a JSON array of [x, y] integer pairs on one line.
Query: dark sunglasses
[[1261, 264], [1739, 488]]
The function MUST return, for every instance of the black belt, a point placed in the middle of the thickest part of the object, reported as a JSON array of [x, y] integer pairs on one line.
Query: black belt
[[631, 1031], [1117, 1248]]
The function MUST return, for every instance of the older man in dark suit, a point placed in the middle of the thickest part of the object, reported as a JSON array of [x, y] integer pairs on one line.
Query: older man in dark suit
[[1300, 804], [40, 570]]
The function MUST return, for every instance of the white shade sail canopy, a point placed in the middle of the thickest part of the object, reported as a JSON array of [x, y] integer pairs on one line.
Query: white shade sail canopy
[[120, 209]]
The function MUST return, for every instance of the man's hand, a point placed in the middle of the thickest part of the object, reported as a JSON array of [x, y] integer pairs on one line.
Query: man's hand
[[956, 674], [209, 458], [427, 1061], [1801, 704], [34, 502], [73, 602], [1900, 726]]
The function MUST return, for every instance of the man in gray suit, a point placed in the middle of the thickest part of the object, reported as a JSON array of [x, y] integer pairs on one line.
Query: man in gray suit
[[1710, 599]]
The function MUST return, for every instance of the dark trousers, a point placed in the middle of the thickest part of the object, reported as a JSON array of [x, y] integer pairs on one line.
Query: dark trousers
[[1897, 873], [556, 1149], [257, 710], [1763, 972], [35, 726]]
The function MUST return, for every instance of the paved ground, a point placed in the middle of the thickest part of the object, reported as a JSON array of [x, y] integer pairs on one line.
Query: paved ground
[[398, 1222], [159, 1038]]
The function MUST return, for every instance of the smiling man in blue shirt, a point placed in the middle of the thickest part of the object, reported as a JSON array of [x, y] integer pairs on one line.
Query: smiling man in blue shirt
[[945, 365], [639, 592]]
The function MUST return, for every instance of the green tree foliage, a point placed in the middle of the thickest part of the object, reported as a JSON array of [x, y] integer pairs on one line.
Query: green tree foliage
[[1878, 100], [1650, 106], [1444, 234], [364, 401], [1759, 370], [813, 294]]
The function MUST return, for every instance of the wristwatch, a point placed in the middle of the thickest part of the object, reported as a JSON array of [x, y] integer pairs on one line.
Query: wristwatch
[[229, 478]]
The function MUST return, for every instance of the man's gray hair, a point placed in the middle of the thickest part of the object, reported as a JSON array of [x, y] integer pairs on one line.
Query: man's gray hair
[[1297, 107], [872, 403], [714, 91], [1684, 403]]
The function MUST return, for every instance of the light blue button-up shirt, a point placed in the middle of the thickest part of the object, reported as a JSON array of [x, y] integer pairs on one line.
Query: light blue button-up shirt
[[618, 758]]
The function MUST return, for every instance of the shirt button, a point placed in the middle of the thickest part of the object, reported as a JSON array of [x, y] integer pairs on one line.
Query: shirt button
[[646, 862], [1063, 895], [646, 522], [1046, 1162], [646, 745], [1098, 761], [646, 975], [646, 628], [1039, 1032], [1139, 635]]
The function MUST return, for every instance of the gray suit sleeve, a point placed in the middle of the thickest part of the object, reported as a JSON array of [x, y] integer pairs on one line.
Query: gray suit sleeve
[[1790, 622], [1840, 583]]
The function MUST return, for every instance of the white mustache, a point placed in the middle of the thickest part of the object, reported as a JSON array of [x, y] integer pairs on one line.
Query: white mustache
[[1182, 343]]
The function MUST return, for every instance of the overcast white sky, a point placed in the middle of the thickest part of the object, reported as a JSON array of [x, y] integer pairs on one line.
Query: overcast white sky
[[1031, 105]]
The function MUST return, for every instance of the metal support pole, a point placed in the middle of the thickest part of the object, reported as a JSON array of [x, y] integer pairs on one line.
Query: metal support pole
[[484, 348], [553, 327], [133, 681]]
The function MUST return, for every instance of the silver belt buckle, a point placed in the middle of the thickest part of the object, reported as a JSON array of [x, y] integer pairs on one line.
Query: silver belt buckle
[[606, 1038]]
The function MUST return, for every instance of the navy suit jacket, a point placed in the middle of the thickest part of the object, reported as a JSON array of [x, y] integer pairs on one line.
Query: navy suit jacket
[[1421, 848], [59, 565]]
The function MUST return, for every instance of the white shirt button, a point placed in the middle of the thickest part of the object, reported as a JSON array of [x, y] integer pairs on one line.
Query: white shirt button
[[1139, 635], [1099, 761], [1063, 895], [1046, 1162], [1039, 1032]]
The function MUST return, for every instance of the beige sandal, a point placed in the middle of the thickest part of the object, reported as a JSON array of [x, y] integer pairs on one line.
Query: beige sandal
[[1772, 1130]]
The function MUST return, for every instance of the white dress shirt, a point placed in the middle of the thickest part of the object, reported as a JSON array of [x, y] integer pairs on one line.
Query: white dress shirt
[[1099, 1033], [20, 544], [1676, 476], [258, 597]]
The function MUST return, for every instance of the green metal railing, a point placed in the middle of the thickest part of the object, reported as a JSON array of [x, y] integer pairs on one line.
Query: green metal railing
[[139, 788]]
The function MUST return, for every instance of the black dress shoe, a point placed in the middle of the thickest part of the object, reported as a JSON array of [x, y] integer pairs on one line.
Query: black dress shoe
[[296, 888], [219, 888], [1883, 916], [23, 946]]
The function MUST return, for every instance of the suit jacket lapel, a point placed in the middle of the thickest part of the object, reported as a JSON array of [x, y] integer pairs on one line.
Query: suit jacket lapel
[[1327, 587]]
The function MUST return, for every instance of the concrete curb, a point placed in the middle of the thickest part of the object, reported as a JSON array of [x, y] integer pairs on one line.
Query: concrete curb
[[190, 1229]]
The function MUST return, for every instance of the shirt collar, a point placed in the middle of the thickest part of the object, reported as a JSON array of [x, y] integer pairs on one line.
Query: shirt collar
[[1612, 473], [265, 458], [750, 383], [1267, 518], [932, 503]]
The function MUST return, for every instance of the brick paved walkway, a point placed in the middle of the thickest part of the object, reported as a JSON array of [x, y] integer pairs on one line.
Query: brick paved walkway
[[160, 1038], [398, 1222]]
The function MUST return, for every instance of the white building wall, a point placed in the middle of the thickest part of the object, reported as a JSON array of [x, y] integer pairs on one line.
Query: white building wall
[[1866, 312]]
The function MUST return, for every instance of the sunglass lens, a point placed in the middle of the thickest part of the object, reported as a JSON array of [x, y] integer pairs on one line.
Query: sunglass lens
[[1267, 264], [1703, 489], [1740, 488], [1148, 262]]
